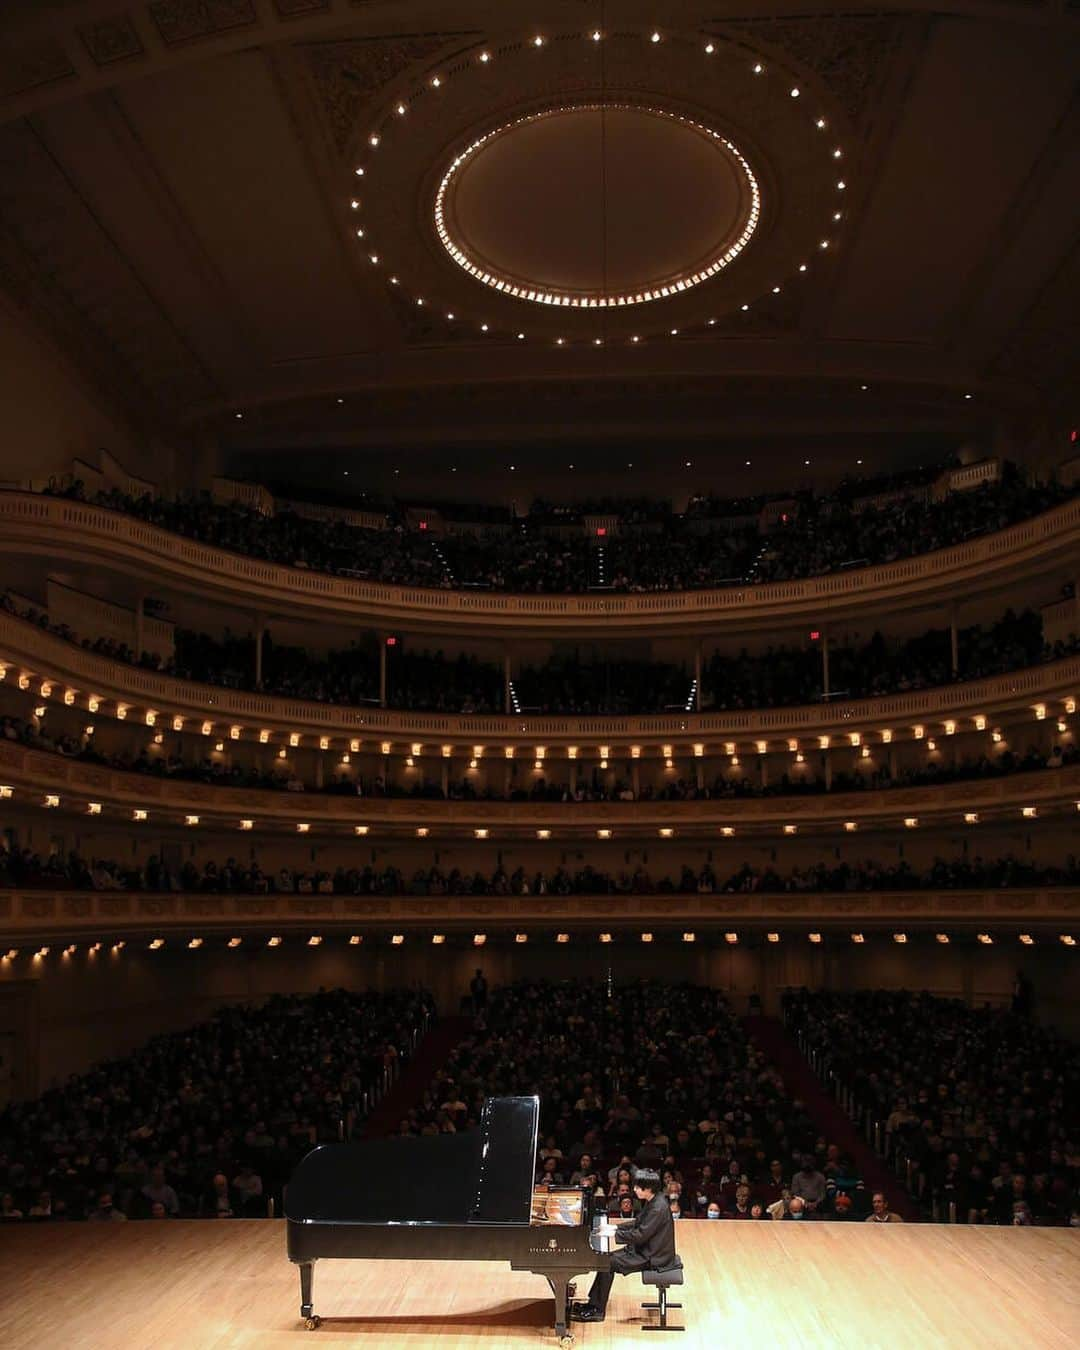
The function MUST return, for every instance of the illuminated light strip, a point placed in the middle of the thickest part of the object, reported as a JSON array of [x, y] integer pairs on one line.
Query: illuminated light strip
[[660, 292]]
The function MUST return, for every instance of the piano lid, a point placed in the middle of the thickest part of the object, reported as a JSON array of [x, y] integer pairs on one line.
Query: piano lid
[[479, 1176]]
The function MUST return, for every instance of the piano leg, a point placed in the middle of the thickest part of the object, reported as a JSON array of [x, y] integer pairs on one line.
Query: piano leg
[[307, 1272], [559, 1285]]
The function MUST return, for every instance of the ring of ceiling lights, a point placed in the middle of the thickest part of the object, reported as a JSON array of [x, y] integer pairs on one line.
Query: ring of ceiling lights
[[779, 120], [659, 289]]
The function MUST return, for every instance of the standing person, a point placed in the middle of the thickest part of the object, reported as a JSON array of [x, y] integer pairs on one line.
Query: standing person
[[650, 1241], [479, 991]]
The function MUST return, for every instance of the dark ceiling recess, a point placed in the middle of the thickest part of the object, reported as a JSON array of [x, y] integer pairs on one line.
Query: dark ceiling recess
[[185, 218]]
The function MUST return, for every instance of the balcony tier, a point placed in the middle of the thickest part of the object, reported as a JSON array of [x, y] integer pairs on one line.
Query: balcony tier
[[78, 532], [34, 774], [44, 657]]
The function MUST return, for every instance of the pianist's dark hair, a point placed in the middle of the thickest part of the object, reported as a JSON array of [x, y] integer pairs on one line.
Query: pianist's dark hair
[[648, 1181]]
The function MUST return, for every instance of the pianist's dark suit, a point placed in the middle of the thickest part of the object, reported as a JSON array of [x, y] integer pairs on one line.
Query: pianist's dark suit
[[650, 1244]]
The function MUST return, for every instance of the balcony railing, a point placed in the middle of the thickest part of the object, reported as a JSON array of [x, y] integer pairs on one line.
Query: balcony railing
[[78, 916], [35, 774], [41, 654], [79, 531]]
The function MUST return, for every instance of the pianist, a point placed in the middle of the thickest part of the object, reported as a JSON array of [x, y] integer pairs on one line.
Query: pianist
[[649, 1242]]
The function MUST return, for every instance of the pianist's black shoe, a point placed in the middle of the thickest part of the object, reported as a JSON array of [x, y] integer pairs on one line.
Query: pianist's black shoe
[[586, 1312]]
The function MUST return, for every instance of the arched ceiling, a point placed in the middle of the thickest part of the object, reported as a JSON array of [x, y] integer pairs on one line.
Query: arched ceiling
[[177, 180]]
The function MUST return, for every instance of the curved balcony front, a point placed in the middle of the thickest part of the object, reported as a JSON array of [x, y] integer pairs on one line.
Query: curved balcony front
[[28, 917], [41, 656], [91, 535], [33, 776]]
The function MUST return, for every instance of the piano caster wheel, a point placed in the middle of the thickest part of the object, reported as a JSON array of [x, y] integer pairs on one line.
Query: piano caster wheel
[[565, 1342], [313, 1323]]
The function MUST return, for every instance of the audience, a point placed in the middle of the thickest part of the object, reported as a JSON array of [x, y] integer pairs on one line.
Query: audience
[[284, 776], [160, 1132], [432, 681], [643, 1075], [652, 551], [23, 867], [983, 1101]]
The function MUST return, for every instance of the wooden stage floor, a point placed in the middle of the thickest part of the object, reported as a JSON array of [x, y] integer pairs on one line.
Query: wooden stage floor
[[190, 1286]]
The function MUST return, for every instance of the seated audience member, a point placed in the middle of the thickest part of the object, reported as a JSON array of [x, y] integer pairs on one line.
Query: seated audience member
[[219, 1200], [158, 1191], [740, 1209], [809, 1184], [248, 1187], [882, 1213], [106, 1212]]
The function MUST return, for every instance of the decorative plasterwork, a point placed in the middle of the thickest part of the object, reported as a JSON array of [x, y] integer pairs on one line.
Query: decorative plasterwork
[[86, 917], [111, 40], [849, 53], [181, 21], [293, 9], [347, 75]]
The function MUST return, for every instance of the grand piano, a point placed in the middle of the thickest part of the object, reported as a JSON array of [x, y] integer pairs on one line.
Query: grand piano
[[448, 1197]]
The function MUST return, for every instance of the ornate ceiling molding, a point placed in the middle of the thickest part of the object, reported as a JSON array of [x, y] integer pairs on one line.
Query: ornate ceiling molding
[[179, 21], [849, 53], [348, 75], [793, 133]]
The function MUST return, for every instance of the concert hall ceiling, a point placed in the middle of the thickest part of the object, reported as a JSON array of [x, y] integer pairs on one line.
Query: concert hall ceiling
[[375, 221]]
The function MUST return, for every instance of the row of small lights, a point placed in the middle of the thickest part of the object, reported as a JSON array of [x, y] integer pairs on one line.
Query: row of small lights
[[479, 939], [855, 739], [484, 57], [51, 800], [604, 302]]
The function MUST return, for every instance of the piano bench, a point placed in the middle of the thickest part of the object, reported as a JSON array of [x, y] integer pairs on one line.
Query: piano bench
[[662, 1280]]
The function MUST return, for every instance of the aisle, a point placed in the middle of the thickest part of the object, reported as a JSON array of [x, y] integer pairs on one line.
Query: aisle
[[433, 1053], [801, 1081]]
